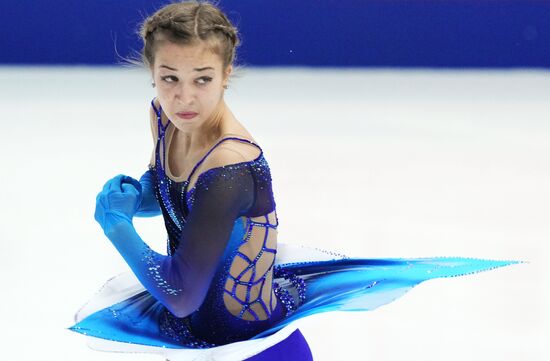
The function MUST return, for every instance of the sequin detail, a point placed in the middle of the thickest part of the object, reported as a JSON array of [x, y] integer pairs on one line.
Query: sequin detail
[[153, 271], [176, 202], [174, 197], [248, 278], [293, 300], [179, 330], [163, 181]]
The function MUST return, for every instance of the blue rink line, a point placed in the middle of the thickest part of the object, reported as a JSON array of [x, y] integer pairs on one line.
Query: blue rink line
[[403, 33]]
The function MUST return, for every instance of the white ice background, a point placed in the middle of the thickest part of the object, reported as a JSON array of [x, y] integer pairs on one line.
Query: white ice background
[[370, 163]]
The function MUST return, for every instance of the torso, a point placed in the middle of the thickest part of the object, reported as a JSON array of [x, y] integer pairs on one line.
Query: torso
[[242, 302]]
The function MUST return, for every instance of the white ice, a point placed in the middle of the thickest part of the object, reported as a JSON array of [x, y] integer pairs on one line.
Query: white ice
[[372, 163]]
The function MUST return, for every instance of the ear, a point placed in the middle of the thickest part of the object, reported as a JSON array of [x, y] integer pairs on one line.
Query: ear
[[227, 72]]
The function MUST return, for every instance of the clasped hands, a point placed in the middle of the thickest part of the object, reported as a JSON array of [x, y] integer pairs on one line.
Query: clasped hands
[[118, 202]]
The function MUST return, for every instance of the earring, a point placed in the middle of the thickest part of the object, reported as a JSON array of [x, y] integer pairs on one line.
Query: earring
[[153, 83], [225, 86]]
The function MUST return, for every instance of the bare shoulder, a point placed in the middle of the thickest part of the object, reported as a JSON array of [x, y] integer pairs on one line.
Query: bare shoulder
[[230, 152]]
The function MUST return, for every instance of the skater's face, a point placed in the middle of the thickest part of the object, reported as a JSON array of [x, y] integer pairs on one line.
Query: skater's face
[[189, 79]]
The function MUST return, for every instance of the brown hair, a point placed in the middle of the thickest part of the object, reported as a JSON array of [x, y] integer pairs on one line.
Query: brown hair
[[190, 22]]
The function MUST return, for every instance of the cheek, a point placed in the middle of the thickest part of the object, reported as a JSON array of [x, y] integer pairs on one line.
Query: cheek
[[211, 96], [163, 87]]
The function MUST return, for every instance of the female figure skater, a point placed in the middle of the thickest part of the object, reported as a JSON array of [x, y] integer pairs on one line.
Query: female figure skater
[[224, 278]]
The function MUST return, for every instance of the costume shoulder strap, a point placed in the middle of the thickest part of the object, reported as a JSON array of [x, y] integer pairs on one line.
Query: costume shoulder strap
[[214, 147], [158, 111]]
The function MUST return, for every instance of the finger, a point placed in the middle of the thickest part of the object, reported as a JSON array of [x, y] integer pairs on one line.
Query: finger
[[116, 183], [102, 201], [135, 184], [98, 214], [108, 184], [128, 188], [98, 198], [100, 208]]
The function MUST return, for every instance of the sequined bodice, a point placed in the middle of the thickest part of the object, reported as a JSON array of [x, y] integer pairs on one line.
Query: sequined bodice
[[176, 199], [242, 296]]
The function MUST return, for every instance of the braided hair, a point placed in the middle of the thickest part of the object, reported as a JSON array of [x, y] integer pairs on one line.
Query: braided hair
[[189, 22]]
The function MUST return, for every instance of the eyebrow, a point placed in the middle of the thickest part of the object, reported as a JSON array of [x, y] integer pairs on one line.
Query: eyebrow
[[196, 69]]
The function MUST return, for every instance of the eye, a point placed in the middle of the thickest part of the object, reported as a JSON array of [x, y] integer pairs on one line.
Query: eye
[[203, 80], [169, 78]]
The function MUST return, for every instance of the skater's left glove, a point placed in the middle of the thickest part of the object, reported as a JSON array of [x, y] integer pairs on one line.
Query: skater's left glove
[[118, 202]]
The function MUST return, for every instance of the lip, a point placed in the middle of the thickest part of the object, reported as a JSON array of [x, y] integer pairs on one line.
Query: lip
[[187, 115]]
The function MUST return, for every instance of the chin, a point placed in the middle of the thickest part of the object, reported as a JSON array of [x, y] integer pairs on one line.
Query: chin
[[185, 123]]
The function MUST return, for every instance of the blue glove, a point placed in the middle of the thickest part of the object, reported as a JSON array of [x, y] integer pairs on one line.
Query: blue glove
[[180, 281], [149, 206], [117, 202]]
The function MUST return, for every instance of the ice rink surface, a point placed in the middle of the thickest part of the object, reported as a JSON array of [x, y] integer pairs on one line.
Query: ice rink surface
[[369, 163]]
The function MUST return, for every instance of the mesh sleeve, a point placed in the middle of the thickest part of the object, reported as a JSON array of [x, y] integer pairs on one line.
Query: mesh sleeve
[[180, 282]]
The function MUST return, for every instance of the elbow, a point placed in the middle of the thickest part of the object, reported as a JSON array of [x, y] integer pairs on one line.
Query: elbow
[[179, 313], [187, 290], [185, 305]]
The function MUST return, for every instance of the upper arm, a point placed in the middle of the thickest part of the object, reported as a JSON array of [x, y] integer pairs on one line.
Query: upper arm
[[222, 195]]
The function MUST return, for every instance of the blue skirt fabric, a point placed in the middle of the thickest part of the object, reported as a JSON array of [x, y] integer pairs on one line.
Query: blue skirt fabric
[[124, 317], [292, 348]]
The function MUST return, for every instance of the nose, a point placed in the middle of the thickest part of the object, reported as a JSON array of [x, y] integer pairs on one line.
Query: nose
[[184, 94]]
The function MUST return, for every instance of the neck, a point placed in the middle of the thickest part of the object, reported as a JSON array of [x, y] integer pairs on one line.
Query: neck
[[197, 140]]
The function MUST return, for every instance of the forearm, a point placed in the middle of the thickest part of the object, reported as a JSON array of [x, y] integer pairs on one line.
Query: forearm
[[149, 206], [156, 272]]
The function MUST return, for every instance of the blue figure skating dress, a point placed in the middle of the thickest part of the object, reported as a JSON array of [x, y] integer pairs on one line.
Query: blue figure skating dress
[[227, 289]]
